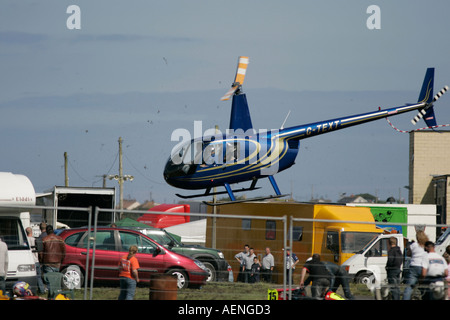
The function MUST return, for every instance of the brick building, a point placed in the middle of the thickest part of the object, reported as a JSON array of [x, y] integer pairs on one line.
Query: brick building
[[429, 170]]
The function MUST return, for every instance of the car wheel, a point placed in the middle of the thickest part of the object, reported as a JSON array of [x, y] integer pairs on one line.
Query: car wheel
[[211, 271], [182, 279], [73, 278], [365, 278]]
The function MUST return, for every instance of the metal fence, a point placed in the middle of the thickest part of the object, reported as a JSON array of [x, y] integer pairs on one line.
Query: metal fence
[[279, 232]]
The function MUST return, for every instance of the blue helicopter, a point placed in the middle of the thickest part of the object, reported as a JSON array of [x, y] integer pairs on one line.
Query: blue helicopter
[[244, 154]]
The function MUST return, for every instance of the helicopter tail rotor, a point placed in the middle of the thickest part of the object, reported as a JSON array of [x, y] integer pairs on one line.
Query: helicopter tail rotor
[[427, 112], [238, 79]]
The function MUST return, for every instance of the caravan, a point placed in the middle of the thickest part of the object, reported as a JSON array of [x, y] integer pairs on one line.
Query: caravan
[[16, 191]]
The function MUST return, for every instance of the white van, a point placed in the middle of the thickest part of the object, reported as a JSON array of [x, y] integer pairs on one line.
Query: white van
[[15, 191], [368, 265]]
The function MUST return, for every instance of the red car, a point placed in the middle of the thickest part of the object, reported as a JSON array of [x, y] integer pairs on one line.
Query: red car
[[111, 245]]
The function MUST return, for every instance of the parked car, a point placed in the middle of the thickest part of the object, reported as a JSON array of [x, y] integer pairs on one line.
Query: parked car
[[213, 259], [111, 244]]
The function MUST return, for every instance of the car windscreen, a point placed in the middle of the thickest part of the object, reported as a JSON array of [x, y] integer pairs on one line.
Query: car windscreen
[[12, 233], [161, 237], [353, 242], [443, 237]]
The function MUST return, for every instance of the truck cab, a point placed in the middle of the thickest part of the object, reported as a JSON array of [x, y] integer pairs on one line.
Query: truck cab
[[368, 265], [339, 244], [336, 237]]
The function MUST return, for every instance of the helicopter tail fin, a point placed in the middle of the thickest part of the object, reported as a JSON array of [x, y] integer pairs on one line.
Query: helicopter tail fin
[[426, 97]]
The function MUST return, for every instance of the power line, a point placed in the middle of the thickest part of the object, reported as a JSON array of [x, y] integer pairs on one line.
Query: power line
[[73, 168], [138, 171]]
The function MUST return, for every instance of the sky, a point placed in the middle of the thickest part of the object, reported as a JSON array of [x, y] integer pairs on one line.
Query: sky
[[141, 69]]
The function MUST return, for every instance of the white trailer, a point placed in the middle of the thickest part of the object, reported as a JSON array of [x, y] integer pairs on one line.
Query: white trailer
[[17, 191], [418, 216], [64, 198]]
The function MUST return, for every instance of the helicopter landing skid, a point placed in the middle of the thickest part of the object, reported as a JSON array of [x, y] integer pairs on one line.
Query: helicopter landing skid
[[244, 200], [207, 193]]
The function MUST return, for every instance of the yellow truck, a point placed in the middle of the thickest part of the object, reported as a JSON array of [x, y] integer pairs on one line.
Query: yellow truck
[[335, 232], [339, 233]]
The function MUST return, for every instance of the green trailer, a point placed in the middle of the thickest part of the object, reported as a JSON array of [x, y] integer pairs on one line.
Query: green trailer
[[391, 215]]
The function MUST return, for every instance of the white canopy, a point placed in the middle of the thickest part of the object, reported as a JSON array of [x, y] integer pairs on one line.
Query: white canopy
[[193, 232]]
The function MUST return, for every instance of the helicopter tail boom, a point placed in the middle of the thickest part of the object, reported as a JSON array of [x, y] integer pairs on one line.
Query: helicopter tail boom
[[424, 106]]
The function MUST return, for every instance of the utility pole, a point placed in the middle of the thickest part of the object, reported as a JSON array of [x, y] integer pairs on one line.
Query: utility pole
[[214, 219], [66, 176], [120, 177]]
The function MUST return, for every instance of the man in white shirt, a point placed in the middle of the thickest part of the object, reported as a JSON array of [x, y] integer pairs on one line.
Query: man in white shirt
[[434, 268], [268, 262], [240, 258], [248, 261]]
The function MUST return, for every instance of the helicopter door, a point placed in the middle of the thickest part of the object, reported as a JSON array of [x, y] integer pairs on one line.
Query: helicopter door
[[232, 152]]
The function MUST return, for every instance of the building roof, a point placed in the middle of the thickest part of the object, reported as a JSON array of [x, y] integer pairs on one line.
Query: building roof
[[130, 204], [353, 199]]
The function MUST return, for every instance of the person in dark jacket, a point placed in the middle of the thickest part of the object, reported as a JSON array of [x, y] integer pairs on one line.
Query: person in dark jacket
[[255, 272], [393, 267], [53, 251], [320, 276], [339, 277]]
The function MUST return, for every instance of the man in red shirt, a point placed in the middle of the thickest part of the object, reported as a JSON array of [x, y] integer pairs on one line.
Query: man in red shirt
[[128, 274]]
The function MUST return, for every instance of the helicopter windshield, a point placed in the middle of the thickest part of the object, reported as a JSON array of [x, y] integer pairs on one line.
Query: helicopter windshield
[[188, 153], [198, 155], [199, 152]]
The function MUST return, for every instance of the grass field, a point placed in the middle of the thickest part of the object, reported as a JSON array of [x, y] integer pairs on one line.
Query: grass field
[[211, 291]]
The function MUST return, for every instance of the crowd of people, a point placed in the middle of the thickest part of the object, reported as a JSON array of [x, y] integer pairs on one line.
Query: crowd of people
[[321, 275], [252, 270], [422, 266]]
